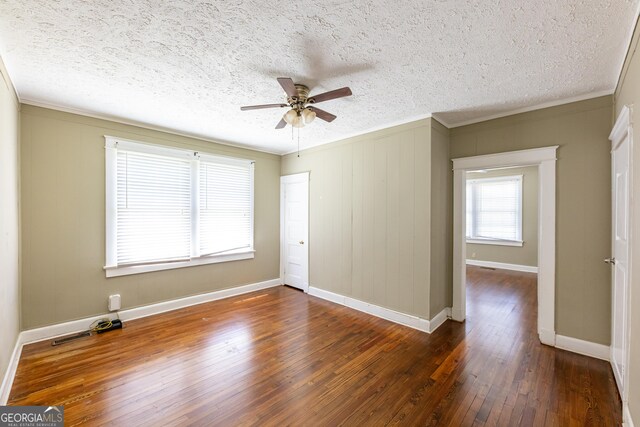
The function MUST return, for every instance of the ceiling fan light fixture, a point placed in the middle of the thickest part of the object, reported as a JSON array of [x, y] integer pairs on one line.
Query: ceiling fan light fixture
[[308, 115], [290, 116], [298, 122], [294, 118]]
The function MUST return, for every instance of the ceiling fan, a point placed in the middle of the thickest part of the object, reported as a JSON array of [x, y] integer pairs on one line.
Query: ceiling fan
[[298, 99]]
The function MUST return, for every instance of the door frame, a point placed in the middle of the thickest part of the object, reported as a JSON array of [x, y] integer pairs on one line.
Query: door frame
[[298, 177], [622, 129], [545, 159]]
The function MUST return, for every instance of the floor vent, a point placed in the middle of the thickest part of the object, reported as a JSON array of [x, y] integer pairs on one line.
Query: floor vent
[[70, 338]]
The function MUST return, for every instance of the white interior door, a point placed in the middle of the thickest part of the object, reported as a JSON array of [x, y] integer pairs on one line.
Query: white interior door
[[621, 179], [294, 193]]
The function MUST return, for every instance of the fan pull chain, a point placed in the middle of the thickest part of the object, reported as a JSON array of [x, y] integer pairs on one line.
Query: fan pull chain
[[298, 142]]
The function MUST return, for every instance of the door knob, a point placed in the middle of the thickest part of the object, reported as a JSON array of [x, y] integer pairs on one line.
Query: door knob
[[611, 260], [301, 242]]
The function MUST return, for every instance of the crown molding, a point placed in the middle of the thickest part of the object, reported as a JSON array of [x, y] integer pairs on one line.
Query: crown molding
[[138, 124], [442, 121], [365, 132], [4, 74], [451, 125], [624, 64], [436, 116], [544, 105]]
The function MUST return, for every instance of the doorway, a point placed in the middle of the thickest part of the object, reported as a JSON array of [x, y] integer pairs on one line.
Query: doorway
[[545, 160], [502, 218], [294, 230]]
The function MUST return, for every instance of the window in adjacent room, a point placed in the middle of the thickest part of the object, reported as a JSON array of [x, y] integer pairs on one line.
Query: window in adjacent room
[[494, 210], [171, 208]]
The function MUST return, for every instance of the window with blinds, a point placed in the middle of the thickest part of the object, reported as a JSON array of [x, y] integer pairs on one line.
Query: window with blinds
[[494, 209], [153, 208], [174, 207], [225, 207]]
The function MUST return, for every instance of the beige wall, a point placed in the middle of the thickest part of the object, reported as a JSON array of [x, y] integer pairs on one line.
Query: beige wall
[[9, 221], [583, 198], [441, 220], [628, 93], [527, 254], [370, 217], [63, 222]]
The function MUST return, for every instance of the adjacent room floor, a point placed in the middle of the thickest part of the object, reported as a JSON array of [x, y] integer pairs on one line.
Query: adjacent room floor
[[281, 357]]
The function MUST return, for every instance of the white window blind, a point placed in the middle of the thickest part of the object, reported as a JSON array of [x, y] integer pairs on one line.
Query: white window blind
[[154, 208], [225, 207], [494, 208], [175, 207]]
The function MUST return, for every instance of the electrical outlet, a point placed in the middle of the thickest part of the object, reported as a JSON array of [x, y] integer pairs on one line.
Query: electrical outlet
[[114, 302]]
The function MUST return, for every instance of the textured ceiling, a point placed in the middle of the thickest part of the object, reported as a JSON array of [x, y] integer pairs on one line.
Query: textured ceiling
[[189, 65]]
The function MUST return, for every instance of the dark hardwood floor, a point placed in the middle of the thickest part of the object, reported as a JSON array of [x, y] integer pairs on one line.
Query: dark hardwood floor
[[281, 357]]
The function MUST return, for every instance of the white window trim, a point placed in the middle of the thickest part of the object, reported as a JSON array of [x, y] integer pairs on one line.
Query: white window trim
[[501, 242], [111, 268], [545, 160], [496, 242], [215, 259]]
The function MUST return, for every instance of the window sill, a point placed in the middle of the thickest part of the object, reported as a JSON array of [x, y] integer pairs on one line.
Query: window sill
[[137, 269], [495, 242]]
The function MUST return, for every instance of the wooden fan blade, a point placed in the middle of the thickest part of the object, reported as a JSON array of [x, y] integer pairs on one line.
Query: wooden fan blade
[[281, 124], [288, 86], [338, 93], [260, 107], [321, 114]]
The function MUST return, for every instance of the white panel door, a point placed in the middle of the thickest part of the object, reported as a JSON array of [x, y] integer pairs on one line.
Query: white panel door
[[620, 261], [295, 222]]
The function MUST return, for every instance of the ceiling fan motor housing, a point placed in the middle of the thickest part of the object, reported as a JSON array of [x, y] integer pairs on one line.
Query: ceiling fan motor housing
[[298, 102]]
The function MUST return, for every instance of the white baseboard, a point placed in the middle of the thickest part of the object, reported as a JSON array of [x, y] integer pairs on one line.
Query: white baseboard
[[60, 329], [587, 348], [458, 315], [626, 417], [439, 319], [10, 373], [409, 320], [161, 307], [503, 266], [52, 331], [547, 337]]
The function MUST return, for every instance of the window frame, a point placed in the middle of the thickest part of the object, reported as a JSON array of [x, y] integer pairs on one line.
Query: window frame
[[111, 268], [500, 242]]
